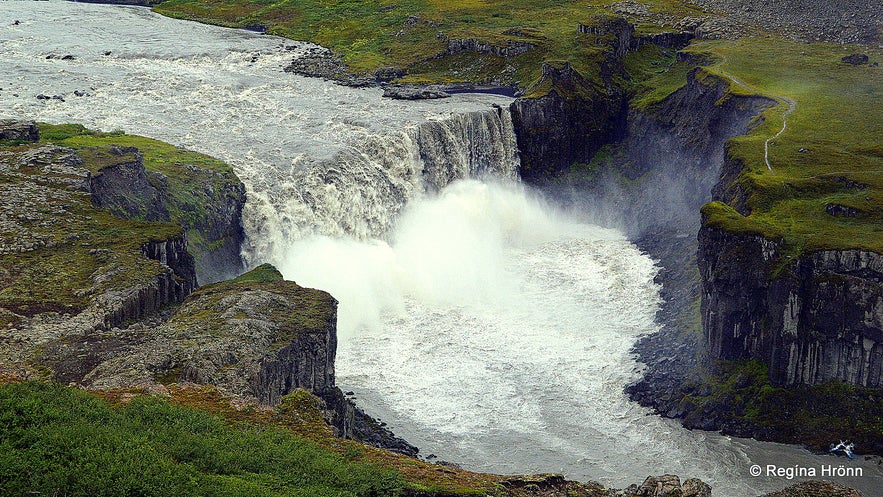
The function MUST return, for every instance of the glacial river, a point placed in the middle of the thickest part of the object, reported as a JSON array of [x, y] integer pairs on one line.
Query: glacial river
[[484, 325]]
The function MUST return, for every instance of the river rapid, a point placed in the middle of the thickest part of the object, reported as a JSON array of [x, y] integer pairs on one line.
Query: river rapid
[[485, 325]]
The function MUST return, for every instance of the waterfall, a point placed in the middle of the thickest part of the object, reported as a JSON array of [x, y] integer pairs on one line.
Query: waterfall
[[504, 325], [359, 191]]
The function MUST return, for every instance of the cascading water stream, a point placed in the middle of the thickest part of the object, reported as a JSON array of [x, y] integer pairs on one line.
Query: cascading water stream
[[484, 325]]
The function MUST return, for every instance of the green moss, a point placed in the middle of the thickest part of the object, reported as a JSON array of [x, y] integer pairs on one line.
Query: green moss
[[79, 244], [193, 183], [264, 273], [740, 393], [307, 310], [827, 155], [377, 33], [653, 74]]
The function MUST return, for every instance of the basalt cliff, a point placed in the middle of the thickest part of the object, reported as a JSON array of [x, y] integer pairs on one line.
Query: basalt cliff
[[100, 290], [741, 306]]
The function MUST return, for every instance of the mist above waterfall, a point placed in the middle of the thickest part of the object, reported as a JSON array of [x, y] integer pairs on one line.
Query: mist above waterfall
[[446, 249]]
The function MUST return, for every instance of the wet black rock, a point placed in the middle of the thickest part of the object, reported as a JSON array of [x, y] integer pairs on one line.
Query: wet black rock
[[567, 125]]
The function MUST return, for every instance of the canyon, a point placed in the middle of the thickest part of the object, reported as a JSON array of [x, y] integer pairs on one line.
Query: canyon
[[646, 171]]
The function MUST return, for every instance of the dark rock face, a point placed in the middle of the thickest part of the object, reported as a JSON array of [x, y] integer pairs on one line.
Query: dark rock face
[[307, 362], [256, 337], [670, 486], [129, 191], [512, 49], [173, 253], [221, 228], [11, 129], [819, 319], [567, 125], [670, 158], [124, 189]]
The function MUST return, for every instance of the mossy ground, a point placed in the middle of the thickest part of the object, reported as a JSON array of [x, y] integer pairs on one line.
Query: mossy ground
[[61, 441], [376, 33], [193, 181], [79, 239], [830, 153], [308, 310]]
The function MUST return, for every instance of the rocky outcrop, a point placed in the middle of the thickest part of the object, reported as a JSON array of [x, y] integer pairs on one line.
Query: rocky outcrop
[[409, 92], [555, 484], [813, 319], [510, 49], [669, 486], [320, 62], [568, 123], [69, 269], [176, 279], [256, 337], [11, 129], [123, 187]]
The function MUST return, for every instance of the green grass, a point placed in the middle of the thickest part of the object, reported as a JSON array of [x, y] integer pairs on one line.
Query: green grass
[[375, 33], [61, 441], [838, 123], [654, 74], [195, 441]]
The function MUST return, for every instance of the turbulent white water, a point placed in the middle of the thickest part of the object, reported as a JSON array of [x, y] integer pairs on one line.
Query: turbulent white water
[[482, 324]]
